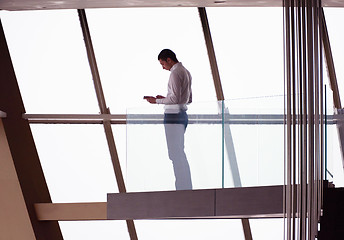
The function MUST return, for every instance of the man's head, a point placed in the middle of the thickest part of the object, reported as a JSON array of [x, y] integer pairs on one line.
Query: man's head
[[167, 59]]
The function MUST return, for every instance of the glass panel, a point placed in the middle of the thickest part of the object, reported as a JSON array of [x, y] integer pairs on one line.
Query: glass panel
[[50, 62], [254, 141], [148, 164], [190, 229], [333, 150], [260, 227], [333, 155], [334, 16], [201, 229], [129, 41], [77, 165], [52, 69], [90, 230], [335, 171], [236, 149], [249, 49]]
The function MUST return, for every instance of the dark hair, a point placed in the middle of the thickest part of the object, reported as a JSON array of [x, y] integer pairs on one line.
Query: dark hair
[[167, 53]]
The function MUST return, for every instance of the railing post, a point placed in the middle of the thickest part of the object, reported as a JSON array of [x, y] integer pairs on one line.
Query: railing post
[[220, 97]]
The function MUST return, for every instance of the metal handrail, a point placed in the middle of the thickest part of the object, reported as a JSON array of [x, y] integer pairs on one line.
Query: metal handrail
[[251, 119]]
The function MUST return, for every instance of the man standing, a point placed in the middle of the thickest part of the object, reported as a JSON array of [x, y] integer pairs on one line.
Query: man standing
[[179, 94]]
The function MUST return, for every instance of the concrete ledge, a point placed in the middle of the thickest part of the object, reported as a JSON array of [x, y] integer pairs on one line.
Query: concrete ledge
[[154, 205], [251, 202]]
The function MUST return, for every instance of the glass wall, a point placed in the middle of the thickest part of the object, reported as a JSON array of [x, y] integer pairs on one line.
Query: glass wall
[[336, 36], [77, 166], [50, 62], [228, 144], [248, 44], [127, 43]]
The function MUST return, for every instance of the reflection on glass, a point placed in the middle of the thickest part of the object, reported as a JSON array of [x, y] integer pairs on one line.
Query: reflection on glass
[[254, 142], [227, 145], [175, 126], [333, 171]]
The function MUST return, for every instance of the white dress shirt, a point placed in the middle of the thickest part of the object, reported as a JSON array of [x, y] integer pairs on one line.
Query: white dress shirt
[[179, 92]]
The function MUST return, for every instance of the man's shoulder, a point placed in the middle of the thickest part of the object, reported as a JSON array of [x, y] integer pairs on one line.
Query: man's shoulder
[[180, 68]]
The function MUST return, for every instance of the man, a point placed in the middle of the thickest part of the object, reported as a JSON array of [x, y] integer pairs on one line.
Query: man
[[179, 94]]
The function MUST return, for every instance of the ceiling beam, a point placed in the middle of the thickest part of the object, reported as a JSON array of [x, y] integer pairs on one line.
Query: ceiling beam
[[19, 5], [71, 211]]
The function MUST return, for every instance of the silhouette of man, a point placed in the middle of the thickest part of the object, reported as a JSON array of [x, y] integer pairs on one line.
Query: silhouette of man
[[179, 94]]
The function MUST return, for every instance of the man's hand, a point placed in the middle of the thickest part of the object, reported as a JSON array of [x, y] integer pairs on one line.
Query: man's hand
[[150, 99], [159, 97]]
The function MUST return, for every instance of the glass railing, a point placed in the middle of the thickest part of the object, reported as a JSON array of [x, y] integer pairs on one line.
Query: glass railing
[[148, 164], [333, 144], [333, 149], [236, 143]]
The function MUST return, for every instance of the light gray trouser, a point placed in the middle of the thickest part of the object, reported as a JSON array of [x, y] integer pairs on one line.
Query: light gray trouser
[[175, 145]]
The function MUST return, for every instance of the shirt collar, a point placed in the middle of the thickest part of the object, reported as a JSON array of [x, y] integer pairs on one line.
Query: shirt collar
[[175, 65]]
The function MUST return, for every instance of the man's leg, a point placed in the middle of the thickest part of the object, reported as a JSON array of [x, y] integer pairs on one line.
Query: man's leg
[[175, 144]]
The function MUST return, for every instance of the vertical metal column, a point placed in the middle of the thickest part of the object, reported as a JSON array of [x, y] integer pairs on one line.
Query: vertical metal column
[[317, 113], [220, 97], [303, 141], [322, 104], [304, 145], [286, 30], [104, 110]]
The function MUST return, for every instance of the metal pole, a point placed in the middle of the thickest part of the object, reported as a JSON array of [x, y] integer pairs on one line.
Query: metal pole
[[287, 76], [301, 121], [304, 164], [316, 116], [294, 109], [310, 115], [211, 53], [104, 110], [220, 97], [322, 154]]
